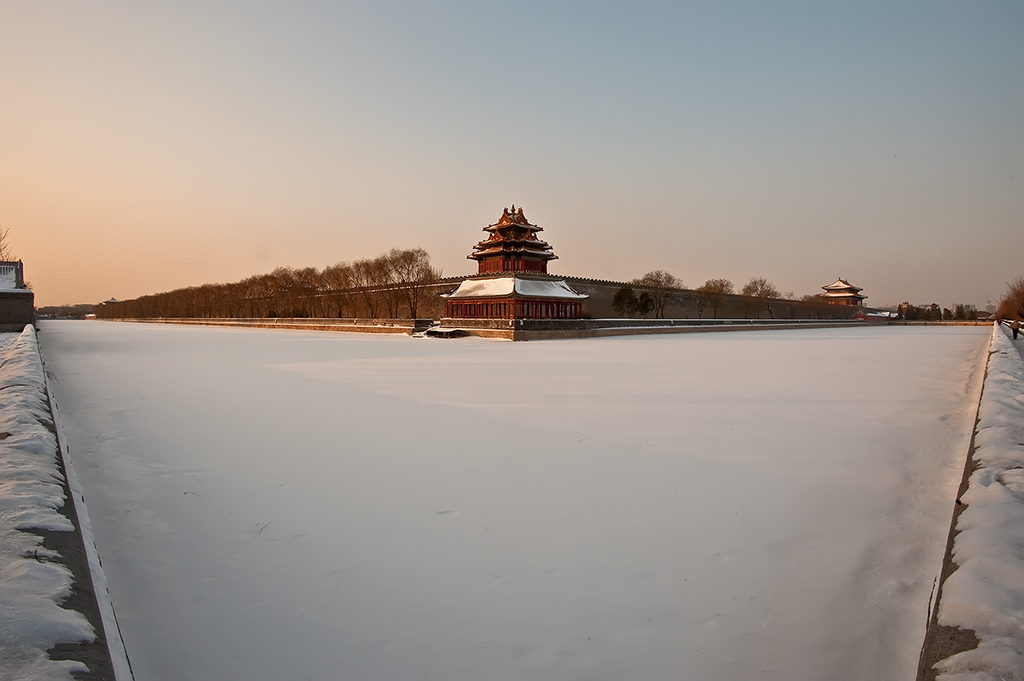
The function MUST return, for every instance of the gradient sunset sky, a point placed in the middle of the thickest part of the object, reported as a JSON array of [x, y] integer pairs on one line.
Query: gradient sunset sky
[[150, 146]]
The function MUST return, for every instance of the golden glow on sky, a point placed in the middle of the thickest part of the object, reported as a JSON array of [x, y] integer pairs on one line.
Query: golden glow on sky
[[149, 147]]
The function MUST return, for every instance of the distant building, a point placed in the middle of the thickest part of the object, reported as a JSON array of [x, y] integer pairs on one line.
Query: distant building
[[65, 311], [512, 280], [12, 275], [843, 292], [17, 303]]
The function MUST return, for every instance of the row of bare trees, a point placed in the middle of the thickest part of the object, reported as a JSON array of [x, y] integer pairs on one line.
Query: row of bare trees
[[756, 295], [760, 294], [711, 294], [393, 285]]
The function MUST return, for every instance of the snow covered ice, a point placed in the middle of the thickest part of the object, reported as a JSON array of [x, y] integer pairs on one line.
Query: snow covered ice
[[276, 504]]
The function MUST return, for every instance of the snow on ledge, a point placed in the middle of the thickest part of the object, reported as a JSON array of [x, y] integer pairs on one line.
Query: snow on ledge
[[479, 288], [504, 286], [986, 593], [547, 289]]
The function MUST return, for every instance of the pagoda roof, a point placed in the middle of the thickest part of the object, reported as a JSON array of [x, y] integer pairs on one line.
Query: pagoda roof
[[507, 248], [515, 286], [842, 285], [512, 235]]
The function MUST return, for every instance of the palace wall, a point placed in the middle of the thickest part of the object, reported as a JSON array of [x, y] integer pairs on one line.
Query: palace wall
[[354, 303], [683, 304]]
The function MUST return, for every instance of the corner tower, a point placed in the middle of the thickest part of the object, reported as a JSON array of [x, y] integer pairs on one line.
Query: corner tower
[[513, 282], [512, 246]]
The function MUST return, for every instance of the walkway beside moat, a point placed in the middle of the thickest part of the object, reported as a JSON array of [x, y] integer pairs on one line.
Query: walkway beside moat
[[976, 624], [53, 600]]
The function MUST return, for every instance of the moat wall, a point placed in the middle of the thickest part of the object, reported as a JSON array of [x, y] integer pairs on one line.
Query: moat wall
[[516, 330]]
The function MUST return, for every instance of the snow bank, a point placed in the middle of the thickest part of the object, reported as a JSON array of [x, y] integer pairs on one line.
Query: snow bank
[[986, 593], [474, 288], [31, 587]]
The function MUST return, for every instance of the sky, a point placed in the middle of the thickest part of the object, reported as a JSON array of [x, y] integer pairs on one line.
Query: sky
[[149, 146]]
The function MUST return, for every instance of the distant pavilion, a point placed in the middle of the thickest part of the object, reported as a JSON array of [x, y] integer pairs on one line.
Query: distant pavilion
[[843, 292], [512, 280]]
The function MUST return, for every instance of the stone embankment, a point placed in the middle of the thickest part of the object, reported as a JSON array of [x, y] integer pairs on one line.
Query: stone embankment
[[550, 329], [518, 329], [17, 308], [406, 326]]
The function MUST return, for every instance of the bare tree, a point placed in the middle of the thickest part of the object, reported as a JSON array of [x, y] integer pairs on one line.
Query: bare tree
[[388, 281], [711, 293], [760, 293], [385, 284], [308, 286], [759, 287], [258, 292], [283, 294], [658, 284], [366, 277], [6, 253], [412, 272], [337, 280], [816, 304]]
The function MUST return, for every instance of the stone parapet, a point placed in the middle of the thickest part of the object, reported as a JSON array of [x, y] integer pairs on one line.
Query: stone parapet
[[518, 329], [406, 326], [17, 309]]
